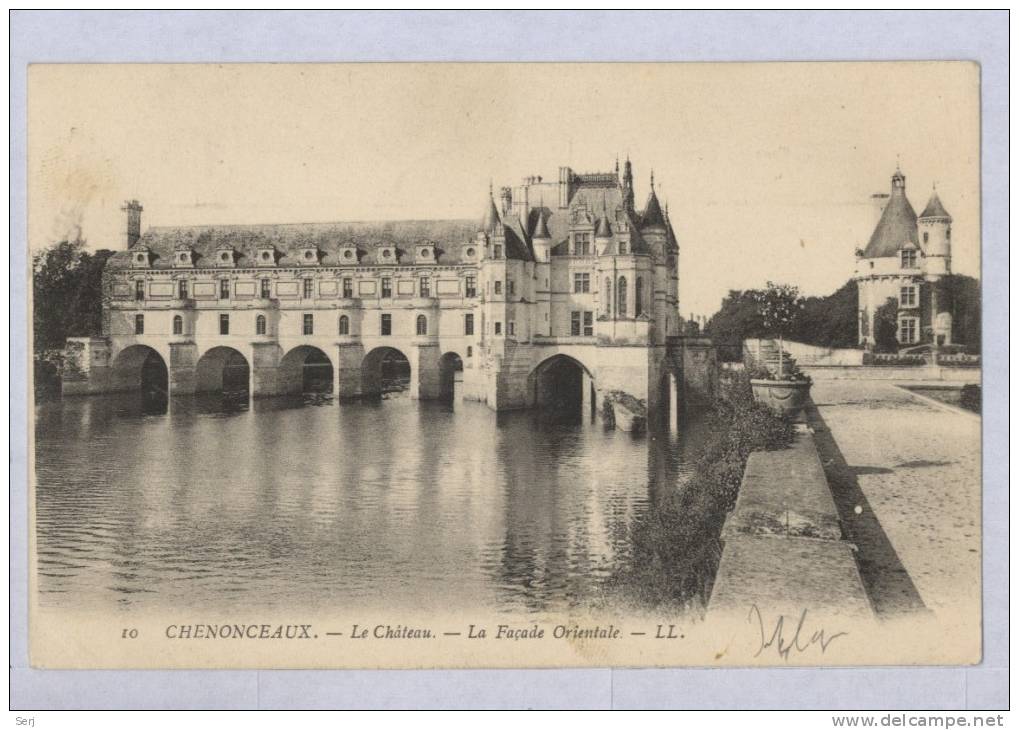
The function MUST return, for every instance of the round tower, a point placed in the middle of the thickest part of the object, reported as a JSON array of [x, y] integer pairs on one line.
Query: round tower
[[934, 226]]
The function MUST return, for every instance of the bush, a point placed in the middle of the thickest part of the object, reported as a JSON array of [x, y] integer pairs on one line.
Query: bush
[[970, 398], [676, 542]]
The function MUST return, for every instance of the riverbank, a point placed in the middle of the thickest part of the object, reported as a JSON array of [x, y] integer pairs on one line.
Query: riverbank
[[913, 470]]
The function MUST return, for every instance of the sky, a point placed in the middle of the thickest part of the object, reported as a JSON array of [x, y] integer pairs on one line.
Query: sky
[[768, 168]]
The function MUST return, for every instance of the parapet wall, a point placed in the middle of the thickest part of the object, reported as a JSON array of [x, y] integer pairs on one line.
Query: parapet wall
[[783, 547], [902, 372]]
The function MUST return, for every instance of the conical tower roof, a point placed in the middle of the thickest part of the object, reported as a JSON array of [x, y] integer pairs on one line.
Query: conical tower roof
[[652, 215], [934, 208], [541, 227], [897, 228], [490, 220], [604, 228]]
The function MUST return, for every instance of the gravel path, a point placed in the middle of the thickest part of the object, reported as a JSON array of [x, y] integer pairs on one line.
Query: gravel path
[[913, 470]]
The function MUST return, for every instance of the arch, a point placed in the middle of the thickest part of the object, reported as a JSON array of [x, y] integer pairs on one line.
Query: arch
[[178, 324], [607, 296], [563, 386], [638, 293], [306, 369], [421, 326], [621, 297], [344, 326], [142, 368], [451, 367], [260, 327], [223, 370], [385, 370]]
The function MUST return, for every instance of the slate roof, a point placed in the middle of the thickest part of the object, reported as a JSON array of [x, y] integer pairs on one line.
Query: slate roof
[[896, 229], [448, 236], [652, 215], [935, 209]]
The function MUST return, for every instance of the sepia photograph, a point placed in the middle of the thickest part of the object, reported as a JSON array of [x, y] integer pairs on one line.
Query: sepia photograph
[[485, 365]]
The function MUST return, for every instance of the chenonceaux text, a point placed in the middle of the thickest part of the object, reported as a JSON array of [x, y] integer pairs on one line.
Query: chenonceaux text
[[239, 631]]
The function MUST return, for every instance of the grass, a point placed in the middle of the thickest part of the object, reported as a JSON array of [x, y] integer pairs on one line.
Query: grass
[[676, 542]]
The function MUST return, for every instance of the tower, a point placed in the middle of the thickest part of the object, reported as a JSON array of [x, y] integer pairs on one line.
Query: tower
[[628, 186], [934, 226]]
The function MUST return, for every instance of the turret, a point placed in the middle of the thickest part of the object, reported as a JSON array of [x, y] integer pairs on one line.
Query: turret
[[628, 185], [133, 228], [490, 220], [541, 239], [934, 226]]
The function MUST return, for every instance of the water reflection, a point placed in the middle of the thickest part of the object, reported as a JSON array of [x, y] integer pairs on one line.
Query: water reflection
[[306, 501]]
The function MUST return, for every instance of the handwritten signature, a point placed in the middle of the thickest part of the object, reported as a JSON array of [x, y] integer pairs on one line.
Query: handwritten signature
[[799, 640]]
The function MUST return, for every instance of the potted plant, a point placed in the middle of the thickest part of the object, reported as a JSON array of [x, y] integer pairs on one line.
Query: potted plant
[[786, 388]]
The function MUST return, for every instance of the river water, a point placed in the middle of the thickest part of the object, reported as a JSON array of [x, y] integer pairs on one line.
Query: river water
[[302, 501]]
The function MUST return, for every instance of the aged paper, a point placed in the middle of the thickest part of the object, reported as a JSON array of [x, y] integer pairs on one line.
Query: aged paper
[[447, 365]]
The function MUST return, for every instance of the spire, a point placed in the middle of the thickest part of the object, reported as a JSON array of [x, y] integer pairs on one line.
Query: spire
[[490, 220], [934, 208], [652, 179], [541, 227], [652, 212], [628, 185]]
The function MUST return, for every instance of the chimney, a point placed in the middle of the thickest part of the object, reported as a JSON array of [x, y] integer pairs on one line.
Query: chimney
[[507, 199], [565, 184], [133, 228], [879, 201]]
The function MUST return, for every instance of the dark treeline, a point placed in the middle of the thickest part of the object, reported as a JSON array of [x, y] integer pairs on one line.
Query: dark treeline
[[66, 294]]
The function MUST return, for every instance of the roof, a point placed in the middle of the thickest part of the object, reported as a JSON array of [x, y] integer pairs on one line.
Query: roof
[[491, 217], [896, 229], [540, 226], [652, 215], [935, 209], [448, 236]]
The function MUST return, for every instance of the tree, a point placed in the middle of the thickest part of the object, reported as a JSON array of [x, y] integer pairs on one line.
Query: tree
[[737, 319], [964, 303], [829, 321], [886, 326], [779, 305], [66, 293]]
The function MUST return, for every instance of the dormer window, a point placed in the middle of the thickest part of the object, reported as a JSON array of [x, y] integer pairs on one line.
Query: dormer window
[[425, 253], [348, 255], [909, 257], [183, 258], [387, 255], [225, 257], [265, 256], [309, 256], [141, 258]]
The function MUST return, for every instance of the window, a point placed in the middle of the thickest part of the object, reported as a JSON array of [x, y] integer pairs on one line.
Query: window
[[387, 324], [387, 287], [425, 286], [348, 288], [926, 237], [907, 330], [581, 283], [344, 324], [581, 244], [588, 324], [498, 328], [909, 256], [266, 289], [224, 324], [621, 297], [497, 251], [498, 287], [907, 296], [422, 325], [139, 290], [224, 288], [511, 328], [139, 324], [308, 285], [182, 289], [622, 248], [575, 323], [948, 234], [470, 351], [638, 306], [471, 287], [309, 324], [607, 295], [260, 324], [468, 324], [511, 287], [178, 324]]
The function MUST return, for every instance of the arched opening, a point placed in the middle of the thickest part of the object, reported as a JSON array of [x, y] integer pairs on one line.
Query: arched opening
[[178, 324], [260, 327], [306, 369], [140, 368], [384, 370], [451, 368], [638, 295], [564, 388], [344, 324], [422, 325], [621, 297], [223, 370]]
